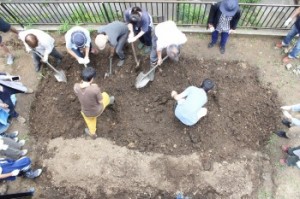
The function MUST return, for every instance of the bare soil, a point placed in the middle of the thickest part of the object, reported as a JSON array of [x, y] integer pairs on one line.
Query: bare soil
[[142, 150]]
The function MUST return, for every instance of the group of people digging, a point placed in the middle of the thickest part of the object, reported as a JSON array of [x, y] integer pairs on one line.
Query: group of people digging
[[223, 19]]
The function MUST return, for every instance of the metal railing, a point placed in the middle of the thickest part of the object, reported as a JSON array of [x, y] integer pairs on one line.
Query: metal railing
[[184, 13]]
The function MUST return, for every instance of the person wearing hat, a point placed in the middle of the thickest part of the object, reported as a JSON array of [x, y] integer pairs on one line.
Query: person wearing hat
[[140, 27], [289, 37], [77, 39], [42, 43], [116, 34], [223, 18], [5, 27], [189, 109], [161, 39], [92, 101]]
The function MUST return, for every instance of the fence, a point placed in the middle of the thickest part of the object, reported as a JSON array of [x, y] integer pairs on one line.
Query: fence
[[184, 13]]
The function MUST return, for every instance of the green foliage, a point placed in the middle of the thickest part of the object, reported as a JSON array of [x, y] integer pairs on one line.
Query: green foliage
[[191, 14], [63, 28]]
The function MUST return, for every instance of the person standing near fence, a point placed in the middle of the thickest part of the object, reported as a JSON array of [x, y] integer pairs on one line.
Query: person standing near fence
[[223, 18], [78, 39], [289, 37], [92, 101], [140, 27], [5, 27], [116, 33], [162, 39], [38, 41]]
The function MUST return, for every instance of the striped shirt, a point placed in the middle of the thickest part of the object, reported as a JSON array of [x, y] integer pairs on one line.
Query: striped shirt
[[224, 24]]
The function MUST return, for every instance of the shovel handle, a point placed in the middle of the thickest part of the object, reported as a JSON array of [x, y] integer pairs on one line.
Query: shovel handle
[[52, 67], [156, 66], [134, 53]]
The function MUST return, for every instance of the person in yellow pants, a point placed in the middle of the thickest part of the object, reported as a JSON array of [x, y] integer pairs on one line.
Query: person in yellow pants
[[93, 102]]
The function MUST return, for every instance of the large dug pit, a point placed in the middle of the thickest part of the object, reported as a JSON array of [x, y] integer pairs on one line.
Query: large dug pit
[[242, 114]]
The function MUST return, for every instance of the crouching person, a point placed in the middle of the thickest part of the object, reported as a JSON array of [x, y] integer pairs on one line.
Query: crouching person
[[92, 101], [189, 109], [10, 169]]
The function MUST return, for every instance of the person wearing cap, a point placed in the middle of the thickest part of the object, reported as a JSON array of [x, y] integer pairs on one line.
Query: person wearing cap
[[116, 34], [39, 41], [162, 39], [5, 27], [289, 37], [189, 109], [92, 101], [77, 39], [140, 27], [293, 156], [223, 18]]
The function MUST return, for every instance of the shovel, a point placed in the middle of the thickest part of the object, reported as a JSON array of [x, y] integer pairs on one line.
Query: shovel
[[110, 68], [135, 57], [59, 75], [143, 79]]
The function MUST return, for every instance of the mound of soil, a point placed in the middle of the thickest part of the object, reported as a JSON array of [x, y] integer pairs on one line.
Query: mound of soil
[[241, 112]]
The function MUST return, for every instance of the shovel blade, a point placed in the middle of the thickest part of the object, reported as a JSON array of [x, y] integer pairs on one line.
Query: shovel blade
[[141, 80], [60, 76]]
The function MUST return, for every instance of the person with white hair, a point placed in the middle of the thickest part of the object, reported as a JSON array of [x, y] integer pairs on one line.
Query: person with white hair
[[162, 39], [116, 34]]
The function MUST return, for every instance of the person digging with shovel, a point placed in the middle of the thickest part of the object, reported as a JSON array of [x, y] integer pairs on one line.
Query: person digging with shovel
[[189, 108], [140, 27], [116, 34], [92, 101], [42, 43], [78, 39], [162, 39]]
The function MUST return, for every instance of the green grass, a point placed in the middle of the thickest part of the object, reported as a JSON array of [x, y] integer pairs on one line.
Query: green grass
[[63, 28]]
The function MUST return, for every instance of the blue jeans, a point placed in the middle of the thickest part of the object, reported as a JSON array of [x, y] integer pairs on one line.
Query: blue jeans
[[224, 38], [288, 38]]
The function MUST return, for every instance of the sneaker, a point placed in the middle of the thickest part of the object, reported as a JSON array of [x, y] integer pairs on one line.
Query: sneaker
[[287, 59], [111, 100], [281, 134], [280, 45], [147, 49], [285, 148], [16, 139], [286, 122], [12, 134], [24, 152], [152, 74], [37, 68], [140, 46], [121, 62], [10, 59], [22, 142], [222, 50], [21, 119], [33, 174], [210, 45], [29, 91]]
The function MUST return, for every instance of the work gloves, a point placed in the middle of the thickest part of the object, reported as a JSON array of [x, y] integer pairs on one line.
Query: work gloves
[[83, 60]]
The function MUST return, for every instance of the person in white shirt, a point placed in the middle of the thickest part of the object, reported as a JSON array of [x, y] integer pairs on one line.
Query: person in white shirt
[[77, 39], [166, 35], [42, 43]]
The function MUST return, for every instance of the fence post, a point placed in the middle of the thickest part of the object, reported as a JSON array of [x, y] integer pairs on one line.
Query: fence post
[[106, 13], [13, 16]]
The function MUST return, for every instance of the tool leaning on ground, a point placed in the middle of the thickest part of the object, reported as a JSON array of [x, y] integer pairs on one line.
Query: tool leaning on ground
[[143, 79], [59, 74]]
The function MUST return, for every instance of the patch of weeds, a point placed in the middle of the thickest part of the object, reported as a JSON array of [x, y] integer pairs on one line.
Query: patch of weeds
[[263, 194], [63, 28], [272, 143], [279, 166]]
